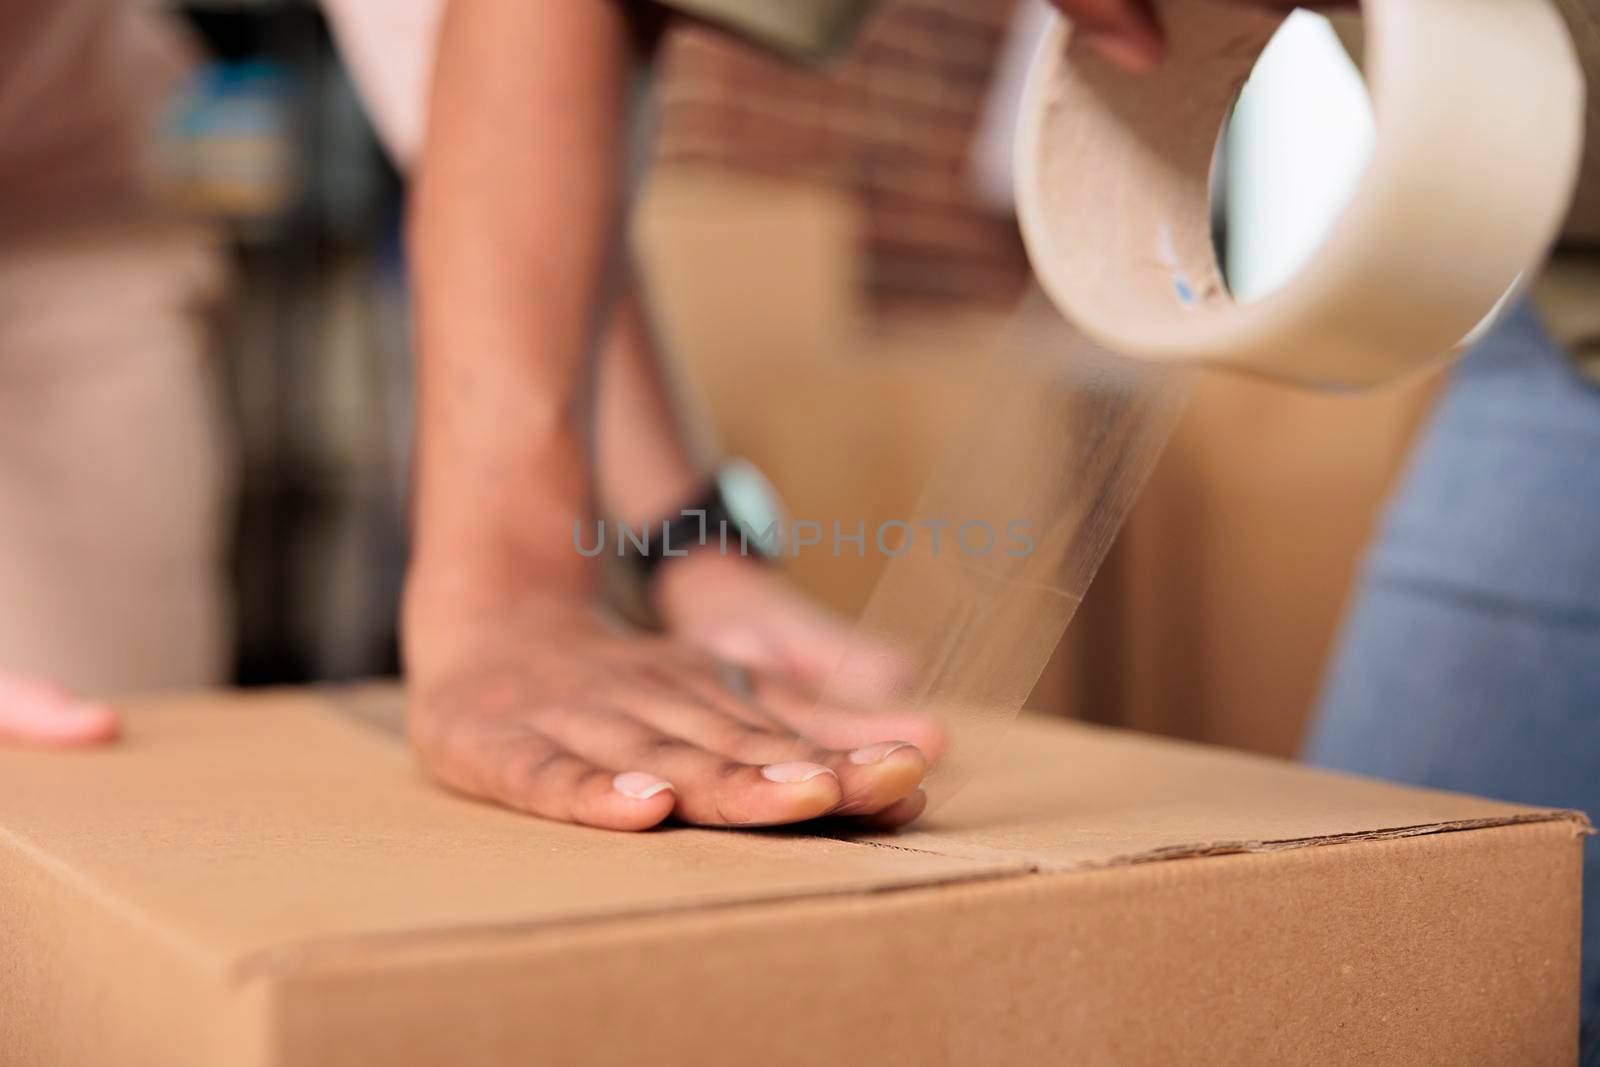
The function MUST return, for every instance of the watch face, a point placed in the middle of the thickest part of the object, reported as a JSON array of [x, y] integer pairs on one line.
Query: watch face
[[751, 501]]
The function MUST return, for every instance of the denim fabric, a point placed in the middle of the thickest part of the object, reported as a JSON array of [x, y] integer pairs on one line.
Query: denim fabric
[[1471, 657]]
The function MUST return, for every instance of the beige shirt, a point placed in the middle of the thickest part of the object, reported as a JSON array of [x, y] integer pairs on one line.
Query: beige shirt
[[81, 87]]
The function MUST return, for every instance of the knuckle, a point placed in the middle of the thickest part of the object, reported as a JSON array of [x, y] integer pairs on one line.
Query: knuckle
[[666, 747], [649, 677], [743, 737], [825, 757], [731, 770], [540, 766]]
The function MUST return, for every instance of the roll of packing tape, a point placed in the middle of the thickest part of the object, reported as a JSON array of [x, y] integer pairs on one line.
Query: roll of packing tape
[[1479, 107]]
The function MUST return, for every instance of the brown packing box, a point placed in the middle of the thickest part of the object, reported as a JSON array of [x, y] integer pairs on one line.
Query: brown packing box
[[267, 880]]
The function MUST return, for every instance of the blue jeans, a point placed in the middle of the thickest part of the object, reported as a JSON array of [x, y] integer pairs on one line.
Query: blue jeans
[[1471, 657]]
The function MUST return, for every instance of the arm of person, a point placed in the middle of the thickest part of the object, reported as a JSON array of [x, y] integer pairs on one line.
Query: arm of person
[[520, 691], [733, 608], [736, 607]]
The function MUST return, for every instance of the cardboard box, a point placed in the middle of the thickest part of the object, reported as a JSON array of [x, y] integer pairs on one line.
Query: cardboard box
[[267, 880]]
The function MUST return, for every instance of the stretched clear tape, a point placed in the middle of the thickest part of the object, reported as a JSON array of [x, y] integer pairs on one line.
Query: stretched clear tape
[[1015, 520]]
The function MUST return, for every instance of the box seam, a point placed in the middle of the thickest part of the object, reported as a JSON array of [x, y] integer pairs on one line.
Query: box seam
[[272, 964]]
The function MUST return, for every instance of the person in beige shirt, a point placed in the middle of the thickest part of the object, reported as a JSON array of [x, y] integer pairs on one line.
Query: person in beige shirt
[[112, 473]]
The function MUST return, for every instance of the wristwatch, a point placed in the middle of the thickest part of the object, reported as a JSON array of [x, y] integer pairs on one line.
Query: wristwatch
[[738, 514]]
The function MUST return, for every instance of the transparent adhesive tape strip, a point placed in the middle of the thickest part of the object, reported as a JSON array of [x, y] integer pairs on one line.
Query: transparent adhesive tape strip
[[1016, 519], [1113, 197]]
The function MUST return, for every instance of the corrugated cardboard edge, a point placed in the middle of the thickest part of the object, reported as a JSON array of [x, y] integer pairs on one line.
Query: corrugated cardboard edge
[[1453, 948], [53, 920], [1581, 827], [73, 880], [283, 960]]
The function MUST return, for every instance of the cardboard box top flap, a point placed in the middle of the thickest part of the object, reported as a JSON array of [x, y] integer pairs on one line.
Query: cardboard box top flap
[[1086, 797], [1060, 796], [246, 824]]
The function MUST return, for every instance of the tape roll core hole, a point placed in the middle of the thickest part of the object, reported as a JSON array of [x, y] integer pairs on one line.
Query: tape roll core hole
[[1290, 156], [1160, 247], [1294, 148]]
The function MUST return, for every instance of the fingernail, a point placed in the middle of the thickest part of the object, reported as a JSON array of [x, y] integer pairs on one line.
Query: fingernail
[[791, 773], [863, 757], [1130, 53], [637, 785]]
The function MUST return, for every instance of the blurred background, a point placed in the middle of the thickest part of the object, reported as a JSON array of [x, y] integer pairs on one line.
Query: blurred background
[[881, 183], [269, 139]]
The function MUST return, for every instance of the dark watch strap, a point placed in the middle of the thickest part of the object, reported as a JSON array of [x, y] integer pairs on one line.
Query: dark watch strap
[[708, 524]]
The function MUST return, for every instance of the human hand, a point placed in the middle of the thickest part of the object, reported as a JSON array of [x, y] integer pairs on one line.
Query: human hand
[[743, 612], [543, 707], [40, 713], [1128, 33]]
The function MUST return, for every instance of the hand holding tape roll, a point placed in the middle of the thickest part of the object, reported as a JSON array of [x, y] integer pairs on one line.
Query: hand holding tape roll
[[1479, 108]]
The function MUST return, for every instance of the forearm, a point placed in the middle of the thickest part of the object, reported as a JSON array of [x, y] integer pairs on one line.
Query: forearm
[[514, 217], [647, 462]]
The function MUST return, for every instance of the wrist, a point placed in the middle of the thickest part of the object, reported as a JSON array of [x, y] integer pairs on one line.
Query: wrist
[[482, 573], [452, 582], [738, 514], [450, 618], [649, 497], [481, 542], [706, 576]]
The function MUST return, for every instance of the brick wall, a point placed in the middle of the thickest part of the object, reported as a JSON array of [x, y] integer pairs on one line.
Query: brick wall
[[893, 122]]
